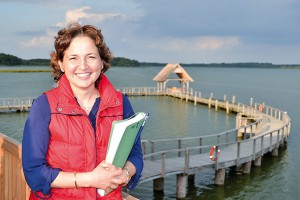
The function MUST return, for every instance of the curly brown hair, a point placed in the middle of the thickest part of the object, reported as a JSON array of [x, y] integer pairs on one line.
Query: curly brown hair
[[64, 39]]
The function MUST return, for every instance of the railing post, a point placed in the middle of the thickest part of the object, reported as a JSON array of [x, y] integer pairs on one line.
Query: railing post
[[179, 147], [282, 135], [163, 164], [278, 133], [227, 107], [152, 150], [262, 146], [238, 153], [227, 138], [186, 161], [254, 149], [271, 136], [200, 145], [144, 147], [233, 99], [217, 157]]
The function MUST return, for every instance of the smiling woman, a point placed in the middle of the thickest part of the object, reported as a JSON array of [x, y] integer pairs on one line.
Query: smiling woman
[[82, 66], [67, 131]]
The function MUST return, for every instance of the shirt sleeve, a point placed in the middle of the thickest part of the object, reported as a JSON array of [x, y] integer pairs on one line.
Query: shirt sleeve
[[38, 174], [136, 155]]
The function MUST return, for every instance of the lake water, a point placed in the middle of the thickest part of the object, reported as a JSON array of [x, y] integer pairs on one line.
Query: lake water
[[277, 178]]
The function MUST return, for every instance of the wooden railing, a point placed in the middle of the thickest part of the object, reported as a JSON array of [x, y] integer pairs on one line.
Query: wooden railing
[[162, 149], [12, 181], [140, 91], [15, 104], [203, 143]]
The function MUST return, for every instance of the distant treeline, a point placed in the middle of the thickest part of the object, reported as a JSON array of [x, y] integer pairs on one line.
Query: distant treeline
[[242, 65], [10, 60]]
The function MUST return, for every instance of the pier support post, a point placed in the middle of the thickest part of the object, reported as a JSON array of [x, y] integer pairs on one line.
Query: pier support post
[[257, 161], [216, 105], [220, 177], [274, 152], [247, 167], [158, 184], [181, 185], [227, 107]]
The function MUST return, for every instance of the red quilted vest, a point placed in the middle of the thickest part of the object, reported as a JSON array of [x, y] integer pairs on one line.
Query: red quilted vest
[[73, 145]]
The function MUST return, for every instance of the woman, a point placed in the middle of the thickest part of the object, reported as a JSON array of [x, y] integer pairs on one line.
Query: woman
[[67, 130]]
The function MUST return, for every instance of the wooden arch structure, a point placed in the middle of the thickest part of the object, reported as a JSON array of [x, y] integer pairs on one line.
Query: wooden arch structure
[[163, 77]]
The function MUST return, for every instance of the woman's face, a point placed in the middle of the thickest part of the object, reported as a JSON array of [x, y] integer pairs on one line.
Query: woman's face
[[82, 63]]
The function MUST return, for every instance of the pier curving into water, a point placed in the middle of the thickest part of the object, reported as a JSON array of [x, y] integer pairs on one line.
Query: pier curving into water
[[260, 129]]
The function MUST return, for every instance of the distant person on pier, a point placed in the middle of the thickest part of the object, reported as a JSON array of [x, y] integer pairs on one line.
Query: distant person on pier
[[68, 127]]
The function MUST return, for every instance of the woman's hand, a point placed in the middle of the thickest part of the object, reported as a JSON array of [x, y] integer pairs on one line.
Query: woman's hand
[[106, 176]]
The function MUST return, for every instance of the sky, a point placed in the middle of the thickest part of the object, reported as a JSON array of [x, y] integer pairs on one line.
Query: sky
[[168, 31]]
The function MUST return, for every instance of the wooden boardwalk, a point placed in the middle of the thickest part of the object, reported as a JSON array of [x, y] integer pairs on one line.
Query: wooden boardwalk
[[232, 153], [15, 104], [264, 131], [187, 156]]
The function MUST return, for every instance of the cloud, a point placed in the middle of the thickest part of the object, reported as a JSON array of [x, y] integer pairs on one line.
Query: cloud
[[43, 40], [215, 43], [79, 15], [85, 14]]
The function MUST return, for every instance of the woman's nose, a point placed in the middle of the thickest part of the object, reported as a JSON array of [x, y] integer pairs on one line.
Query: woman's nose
[[83, 64]]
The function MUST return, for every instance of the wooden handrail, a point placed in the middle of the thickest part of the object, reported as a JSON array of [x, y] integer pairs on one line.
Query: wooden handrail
[[13, 184], [12, 181], [250, 111]]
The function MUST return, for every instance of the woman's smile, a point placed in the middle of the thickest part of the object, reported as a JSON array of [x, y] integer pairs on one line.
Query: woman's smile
[[83, 75]]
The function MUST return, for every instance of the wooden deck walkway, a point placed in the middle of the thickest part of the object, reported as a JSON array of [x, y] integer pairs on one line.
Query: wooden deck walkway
[[15, 104], [270, 129], [232, 153], [187, 156]]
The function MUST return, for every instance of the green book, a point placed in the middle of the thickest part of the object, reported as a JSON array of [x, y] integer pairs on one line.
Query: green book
[[123, 135]]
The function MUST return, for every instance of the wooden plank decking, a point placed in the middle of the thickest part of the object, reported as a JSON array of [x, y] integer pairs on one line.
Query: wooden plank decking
[[270, 130], [231, 154]]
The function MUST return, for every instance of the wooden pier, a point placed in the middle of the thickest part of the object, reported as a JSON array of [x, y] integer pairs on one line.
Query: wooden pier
[[262, 129], [185, 157], [15, 104]]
